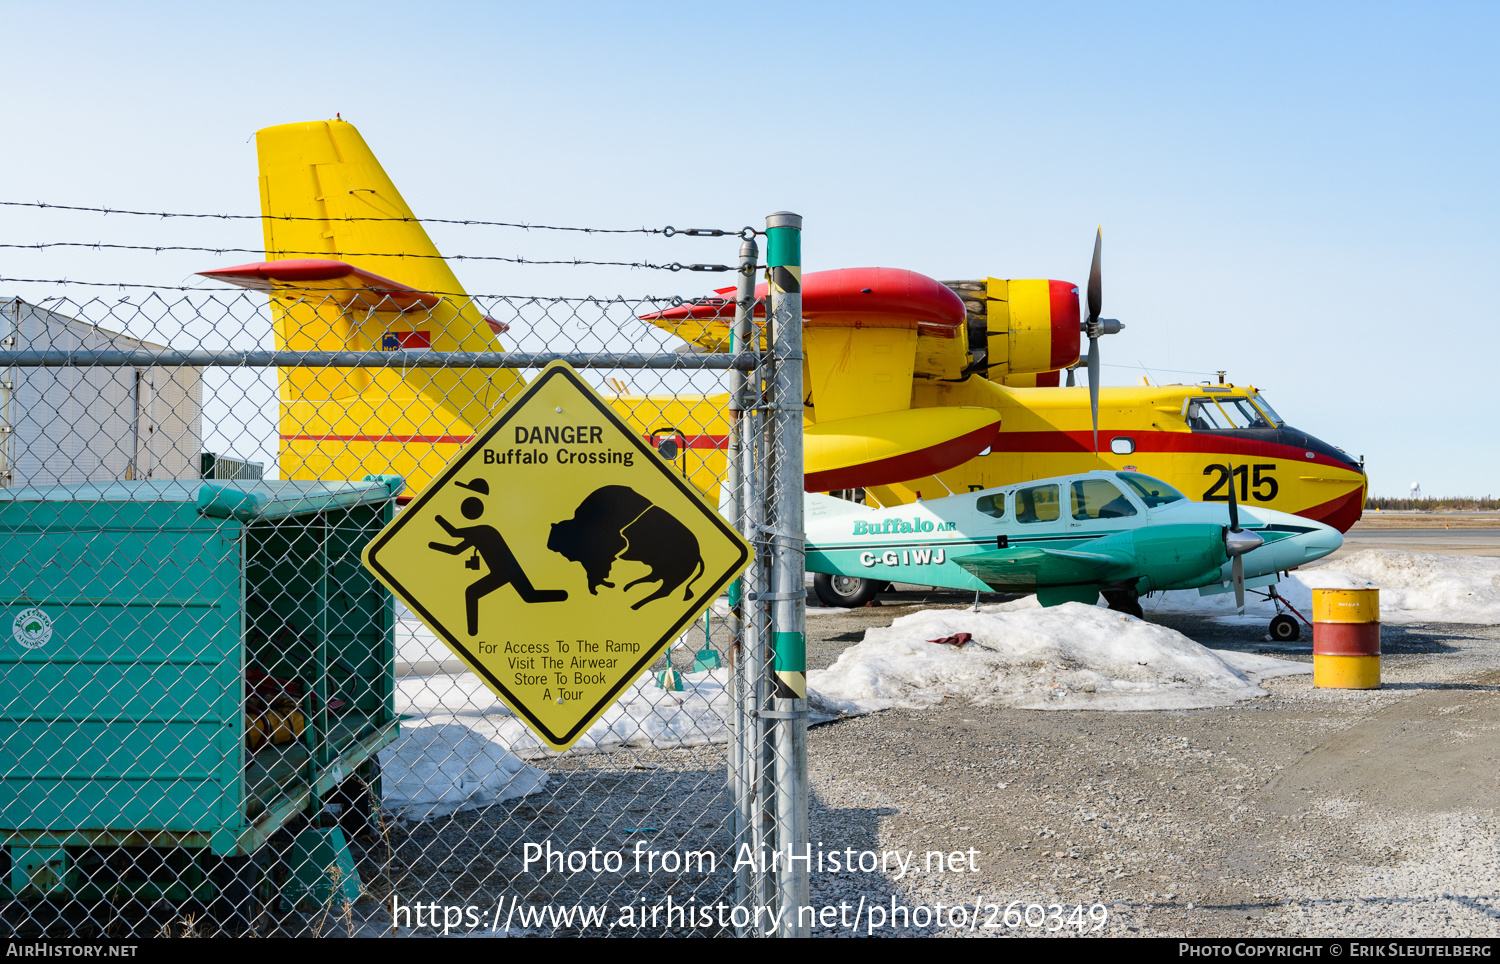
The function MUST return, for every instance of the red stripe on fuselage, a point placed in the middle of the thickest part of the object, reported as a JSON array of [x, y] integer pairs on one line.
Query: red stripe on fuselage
[[691, 441], [429, 439], [1341, 513], [1162, 442]]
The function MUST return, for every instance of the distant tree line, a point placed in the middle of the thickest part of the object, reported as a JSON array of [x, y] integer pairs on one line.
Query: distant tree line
[[1433, 504]]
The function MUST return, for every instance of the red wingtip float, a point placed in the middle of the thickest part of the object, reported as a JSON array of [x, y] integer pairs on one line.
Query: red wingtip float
[[859, 297]]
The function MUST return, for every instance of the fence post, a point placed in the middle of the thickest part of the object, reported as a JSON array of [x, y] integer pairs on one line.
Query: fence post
[[746, 649], [784, 315]]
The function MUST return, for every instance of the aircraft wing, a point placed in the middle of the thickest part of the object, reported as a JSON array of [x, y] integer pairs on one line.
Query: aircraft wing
[[1026, 567]]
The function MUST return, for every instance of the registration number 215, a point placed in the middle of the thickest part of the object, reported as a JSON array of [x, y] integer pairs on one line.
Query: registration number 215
[[1255, 482]]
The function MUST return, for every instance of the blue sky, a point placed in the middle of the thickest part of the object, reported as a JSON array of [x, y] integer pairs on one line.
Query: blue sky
[[1301, 194]]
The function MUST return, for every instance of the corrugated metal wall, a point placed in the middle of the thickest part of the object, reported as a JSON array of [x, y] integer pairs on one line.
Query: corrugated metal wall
[[93, 424]]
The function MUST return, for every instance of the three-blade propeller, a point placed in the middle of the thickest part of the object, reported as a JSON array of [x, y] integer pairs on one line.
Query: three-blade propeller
[[1237, 542], [1094, 326]]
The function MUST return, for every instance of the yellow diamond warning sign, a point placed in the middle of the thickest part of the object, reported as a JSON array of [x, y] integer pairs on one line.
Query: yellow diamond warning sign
[[558, 555]]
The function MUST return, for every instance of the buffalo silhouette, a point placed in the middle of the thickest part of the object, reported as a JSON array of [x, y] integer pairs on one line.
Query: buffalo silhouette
[[617, 522]]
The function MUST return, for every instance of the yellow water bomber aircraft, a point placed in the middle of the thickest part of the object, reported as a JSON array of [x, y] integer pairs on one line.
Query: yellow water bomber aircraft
[[915, 389], [919, 389]]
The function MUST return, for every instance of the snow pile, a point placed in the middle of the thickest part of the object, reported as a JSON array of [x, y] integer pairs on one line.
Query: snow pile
[[464, 748], [1070, 657], [419, 652], [432, 771], [1415, 587]]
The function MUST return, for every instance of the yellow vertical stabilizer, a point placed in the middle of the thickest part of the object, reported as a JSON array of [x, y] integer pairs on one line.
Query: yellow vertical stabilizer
[[326, 197]]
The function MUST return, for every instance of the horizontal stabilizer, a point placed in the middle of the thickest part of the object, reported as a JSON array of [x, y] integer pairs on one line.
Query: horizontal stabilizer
[[1026, 567], [354, 288]]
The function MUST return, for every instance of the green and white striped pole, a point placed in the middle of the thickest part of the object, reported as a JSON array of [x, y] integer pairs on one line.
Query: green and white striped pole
[[789, 594]]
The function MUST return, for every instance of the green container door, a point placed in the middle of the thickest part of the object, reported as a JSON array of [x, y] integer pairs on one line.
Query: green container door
[[128, 716]]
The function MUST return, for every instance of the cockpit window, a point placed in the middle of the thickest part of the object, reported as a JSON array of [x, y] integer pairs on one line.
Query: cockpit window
[[1224, 413], [1153, 492], [1098, 499]]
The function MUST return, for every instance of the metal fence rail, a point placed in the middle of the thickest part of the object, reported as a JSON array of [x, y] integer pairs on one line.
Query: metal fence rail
[[218, 721], [146, 358]]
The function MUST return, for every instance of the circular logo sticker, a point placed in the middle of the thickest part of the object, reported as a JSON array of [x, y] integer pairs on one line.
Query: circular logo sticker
[[32, 628]]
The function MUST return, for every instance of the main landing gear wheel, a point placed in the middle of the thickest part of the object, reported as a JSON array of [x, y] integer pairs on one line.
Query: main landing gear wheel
[[845, 591], [1285, 629], [1124, 601]]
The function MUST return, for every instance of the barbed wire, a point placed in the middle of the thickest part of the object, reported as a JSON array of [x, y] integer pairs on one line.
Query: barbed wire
[[314, 292], [669, 231], [158, 248]]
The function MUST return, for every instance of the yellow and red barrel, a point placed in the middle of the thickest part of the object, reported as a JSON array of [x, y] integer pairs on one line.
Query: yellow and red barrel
[[1346, 638]]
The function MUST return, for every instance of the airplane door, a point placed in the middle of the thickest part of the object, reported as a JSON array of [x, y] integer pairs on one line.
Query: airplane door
[[1038, 510]]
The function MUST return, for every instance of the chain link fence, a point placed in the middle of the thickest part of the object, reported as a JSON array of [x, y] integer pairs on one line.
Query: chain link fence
[[217, 721]]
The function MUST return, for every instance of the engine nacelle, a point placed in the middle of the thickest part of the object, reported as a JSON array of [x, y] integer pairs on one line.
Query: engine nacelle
[[1024, 326]]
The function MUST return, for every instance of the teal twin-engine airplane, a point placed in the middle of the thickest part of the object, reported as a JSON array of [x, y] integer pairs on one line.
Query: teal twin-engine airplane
[[1068, 538]]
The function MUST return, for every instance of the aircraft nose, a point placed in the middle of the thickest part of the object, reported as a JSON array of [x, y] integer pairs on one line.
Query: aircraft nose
[[1319, 542]]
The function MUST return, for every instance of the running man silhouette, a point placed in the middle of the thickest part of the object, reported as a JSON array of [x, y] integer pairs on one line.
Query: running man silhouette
[[490, 546]]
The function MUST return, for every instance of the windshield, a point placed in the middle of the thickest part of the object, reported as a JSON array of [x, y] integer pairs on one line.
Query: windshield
[[1153, 492], [1225, 413], [1265, 406]]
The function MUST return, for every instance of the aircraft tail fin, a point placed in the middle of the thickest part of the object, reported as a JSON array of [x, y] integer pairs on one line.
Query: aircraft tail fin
[[349, 267], [328, 197]]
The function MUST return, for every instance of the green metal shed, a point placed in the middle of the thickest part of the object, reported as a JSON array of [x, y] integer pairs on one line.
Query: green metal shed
[[132, 613]]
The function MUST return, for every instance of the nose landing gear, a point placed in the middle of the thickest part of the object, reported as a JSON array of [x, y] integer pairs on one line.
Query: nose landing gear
[[1284, 629]]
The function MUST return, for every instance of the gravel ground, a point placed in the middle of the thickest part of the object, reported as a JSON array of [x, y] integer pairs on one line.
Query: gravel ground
[[1310, 812]]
